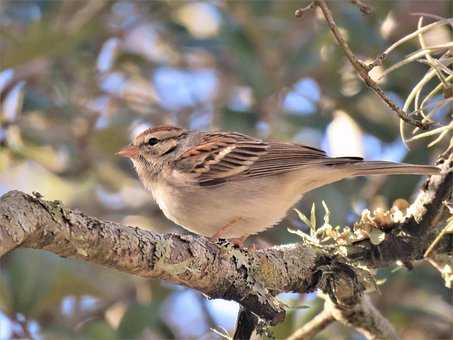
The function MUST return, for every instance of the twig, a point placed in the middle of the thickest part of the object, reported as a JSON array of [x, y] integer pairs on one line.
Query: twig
[[314, 326], [364, 317], [448, 229], [301, 11], [362, 68], [443, 264], [364, 8]]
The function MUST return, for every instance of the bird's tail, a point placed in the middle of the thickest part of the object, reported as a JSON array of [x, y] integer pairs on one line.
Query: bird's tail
[[365, 168]]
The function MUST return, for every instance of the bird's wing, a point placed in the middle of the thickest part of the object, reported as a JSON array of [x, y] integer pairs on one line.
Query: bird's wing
[[219, 156], [222, 157]]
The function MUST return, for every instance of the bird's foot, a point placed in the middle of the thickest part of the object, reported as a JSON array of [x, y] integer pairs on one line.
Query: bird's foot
[[239, 241], [219, 233]]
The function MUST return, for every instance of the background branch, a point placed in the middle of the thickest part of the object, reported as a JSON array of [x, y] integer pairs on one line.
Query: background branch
[[361, 68], [314, 326], [364, 317]]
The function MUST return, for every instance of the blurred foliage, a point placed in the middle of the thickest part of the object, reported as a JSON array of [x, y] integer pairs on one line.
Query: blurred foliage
[[78, 78]]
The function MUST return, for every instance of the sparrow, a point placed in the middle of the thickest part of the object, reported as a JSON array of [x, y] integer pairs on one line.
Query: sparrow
[[229, 185]]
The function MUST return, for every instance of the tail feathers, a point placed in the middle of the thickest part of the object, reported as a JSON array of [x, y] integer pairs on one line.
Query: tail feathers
[[365, 168]]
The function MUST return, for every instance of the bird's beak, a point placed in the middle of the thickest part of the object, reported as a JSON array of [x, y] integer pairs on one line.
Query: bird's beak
[[129, 151]]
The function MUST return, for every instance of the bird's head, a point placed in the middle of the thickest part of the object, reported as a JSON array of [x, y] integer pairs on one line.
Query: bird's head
[[152, 147]]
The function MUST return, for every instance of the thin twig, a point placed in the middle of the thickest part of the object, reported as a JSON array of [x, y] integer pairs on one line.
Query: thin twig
[[314, 326], [361, 68], [300, 12], [448, 229], [364, 8]]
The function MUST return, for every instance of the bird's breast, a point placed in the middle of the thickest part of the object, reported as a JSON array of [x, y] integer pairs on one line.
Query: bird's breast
[[204, 210]]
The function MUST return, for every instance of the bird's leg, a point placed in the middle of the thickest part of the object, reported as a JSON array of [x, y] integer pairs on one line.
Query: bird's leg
[[222, 230], [240, 242]]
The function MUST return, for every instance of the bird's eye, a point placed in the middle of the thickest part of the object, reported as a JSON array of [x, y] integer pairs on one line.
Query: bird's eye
[[152, 141]]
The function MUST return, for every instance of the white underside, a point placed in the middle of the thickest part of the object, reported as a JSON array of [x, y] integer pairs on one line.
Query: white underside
[[246, 207]]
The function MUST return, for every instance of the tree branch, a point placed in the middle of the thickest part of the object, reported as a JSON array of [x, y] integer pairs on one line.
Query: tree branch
[[408, 240], [361, 68], [314, 326], [364, 317], [218, 270], [360, 314]]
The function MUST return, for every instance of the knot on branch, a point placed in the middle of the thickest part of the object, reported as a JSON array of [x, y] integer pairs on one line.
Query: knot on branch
[[342, 282]]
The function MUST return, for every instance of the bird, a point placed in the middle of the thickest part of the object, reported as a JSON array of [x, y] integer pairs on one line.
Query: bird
[[228, 185]]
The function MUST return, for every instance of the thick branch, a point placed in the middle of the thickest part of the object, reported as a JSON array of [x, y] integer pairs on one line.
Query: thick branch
[[220, 271]]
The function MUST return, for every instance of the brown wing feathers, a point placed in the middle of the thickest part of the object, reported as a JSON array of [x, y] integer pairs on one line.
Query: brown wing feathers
[[232, 156], [283, 157], [220, 156]]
